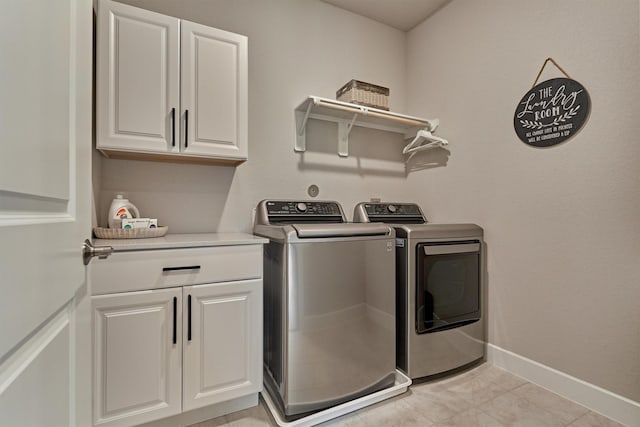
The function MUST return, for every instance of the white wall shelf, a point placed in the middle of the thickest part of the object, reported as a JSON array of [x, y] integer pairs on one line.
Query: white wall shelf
[[347, 115]]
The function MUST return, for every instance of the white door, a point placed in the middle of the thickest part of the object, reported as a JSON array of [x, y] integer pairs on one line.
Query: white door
[[138, 79], [214, 91], [45, 173], [137, 352], [222, 349]]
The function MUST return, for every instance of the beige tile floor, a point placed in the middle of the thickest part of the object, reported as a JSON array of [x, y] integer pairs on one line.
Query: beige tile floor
[[485, 396]]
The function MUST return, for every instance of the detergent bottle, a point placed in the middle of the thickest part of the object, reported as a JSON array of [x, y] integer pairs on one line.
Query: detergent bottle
[[121, 208]]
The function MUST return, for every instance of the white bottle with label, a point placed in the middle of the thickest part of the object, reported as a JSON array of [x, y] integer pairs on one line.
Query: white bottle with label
[[121, 208]]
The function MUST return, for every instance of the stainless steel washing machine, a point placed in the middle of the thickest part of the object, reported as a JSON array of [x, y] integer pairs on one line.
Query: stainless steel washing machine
[[329, 305], [439, 289]]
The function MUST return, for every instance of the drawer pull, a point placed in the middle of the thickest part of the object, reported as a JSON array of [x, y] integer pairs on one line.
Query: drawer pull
[[187, 267]]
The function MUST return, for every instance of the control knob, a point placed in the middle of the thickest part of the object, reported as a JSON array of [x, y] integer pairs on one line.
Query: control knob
[[391, 208], [301, 207]]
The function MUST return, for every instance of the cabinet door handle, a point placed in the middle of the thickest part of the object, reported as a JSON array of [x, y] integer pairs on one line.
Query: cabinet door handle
[[175, 320], [173, 127], [189, 318], [186, 128], [186, 267]]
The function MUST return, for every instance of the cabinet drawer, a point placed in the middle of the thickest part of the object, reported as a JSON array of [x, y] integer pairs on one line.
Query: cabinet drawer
[[154, 269]]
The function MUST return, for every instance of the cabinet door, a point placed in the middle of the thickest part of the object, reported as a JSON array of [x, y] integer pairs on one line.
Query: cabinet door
[[214, 92], [137, 352], [138, 79], [223, 349]]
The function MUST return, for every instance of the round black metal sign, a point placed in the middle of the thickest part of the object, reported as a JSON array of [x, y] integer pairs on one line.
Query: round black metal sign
[[552, 112]]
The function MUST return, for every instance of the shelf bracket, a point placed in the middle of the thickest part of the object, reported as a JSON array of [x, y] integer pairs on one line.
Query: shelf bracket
[[301, 128], [344, 129]]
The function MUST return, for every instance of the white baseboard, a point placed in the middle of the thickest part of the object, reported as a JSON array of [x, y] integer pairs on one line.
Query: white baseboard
[[597, 399]]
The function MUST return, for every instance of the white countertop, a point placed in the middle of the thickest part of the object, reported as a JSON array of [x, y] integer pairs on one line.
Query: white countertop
[[173, 241]]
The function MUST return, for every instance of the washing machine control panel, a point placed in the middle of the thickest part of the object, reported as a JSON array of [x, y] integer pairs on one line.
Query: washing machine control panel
[[292, 211]]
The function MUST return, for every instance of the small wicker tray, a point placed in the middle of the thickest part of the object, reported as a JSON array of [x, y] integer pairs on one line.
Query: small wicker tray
[[131, 233]]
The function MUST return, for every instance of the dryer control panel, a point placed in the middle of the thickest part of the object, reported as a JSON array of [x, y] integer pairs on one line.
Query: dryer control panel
[[408, 213]]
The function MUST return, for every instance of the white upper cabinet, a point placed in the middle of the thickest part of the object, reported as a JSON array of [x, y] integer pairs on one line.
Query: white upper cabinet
[[169, 89], [138, 76], [214, 91]]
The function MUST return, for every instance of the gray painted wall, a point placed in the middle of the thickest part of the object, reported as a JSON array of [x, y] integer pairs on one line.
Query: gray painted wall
[[296, 48], [562, 223]]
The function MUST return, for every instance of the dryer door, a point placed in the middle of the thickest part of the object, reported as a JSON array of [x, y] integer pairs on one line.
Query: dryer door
[[447, 285]]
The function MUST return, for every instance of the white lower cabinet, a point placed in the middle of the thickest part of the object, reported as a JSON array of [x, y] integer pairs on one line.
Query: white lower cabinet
[[222, 348], [162, 352], [137, 362]]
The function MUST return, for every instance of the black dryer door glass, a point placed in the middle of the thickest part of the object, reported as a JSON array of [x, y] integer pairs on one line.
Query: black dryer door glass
[[447, 285]]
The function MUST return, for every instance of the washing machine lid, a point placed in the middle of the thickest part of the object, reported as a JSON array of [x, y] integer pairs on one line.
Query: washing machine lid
[[315, 231]]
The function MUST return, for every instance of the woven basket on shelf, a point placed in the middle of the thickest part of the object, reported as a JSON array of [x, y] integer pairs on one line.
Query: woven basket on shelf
[[363, 93], [131, 233]]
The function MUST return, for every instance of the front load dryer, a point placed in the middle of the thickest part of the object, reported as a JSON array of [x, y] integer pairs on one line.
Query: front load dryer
[[439, 289]]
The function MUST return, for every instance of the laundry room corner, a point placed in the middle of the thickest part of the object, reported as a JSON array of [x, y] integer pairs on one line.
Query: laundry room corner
[[560, 222]]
